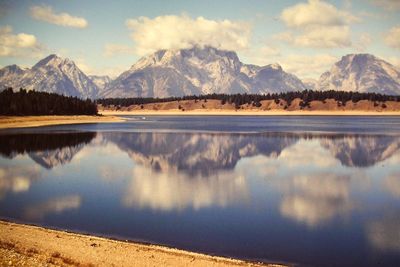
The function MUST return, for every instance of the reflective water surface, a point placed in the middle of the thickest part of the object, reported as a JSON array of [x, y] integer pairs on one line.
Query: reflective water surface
[[312, 191]]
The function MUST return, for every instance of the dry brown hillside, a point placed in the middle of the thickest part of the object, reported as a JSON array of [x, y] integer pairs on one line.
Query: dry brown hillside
[[327, 105]]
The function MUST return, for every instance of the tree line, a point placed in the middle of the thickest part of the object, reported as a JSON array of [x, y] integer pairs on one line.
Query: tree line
[[42, 103], [305, 96], [12, 144]]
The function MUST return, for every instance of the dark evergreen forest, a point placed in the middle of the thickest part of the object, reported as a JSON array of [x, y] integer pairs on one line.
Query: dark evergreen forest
[[41, 103]]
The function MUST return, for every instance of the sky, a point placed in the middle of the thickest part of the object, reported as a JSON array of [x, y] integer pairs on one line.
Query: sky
[[107, 37]]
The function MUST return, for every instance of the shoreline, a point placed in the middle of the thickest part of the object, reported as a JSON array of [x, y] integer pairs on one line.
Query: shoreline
[[8, 122], [22, 244], [215, 112]]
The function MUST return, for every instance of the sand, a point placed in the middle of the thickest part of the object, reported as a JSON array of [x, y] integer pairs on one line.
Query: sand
[[35, 121], [25, 245]]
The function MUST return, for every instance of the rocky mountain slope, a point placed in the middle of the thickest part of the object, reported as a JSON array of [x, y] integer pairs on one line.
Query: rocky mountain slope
[[101, 81], [199, 71], [51, 74], [362, 73]]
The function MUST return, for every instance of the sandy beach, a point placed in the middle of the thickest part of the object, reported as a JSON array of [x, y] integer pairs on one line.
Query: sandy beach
[[35, 121], [25, 245]]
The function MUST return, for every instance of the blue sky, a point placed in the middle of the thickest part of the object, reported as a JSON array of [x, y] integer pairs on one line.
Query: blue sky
[[107, 37]]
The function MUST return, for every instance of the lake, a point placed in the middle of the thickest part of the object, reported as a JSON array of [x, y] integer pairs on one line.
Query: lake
[[314, 191]]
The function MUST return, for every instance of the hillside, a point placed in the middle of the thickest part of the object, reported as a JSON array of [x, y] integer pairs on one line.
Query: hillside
[[266, 105]]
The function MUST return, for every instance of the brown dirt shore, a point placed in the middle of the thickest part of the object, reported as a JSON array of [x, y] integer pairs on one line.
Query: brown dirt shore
[[25, 245], [35, 121]]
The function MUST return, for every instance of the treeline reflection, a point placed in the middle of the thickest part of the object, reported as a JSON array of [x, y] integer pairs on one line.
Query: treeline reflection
[[11, 145], [198, 153]]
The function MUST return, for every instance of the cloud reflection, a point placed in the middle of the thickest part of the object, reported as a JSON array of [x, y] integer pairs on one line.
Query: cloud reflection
[[53, 205], [17, 178], [168, 191], [316, 198], [384, 233], [392, 184]]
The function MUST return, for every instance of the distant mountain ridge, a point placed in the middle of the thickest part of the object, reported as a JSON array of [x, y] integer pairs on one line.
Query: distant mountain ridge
[[363, 73], [199, 71], [51, 74]]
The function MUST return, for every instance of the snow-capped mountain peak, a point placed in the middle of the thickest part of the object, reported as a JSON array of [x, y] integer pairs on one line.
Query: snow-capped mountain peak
[[51, 74], [198, 70], [362, 73]]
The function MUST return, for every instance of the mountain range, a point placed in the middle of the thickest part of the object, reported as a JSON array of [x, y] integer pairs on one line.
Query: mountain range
[[199, 70], [51, 74]]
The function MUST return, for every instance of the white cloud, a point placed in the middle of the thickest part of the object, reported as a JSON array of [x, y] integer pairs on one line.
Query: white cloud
[[17, 44], [363, 42], [88, 69], [395, 61], [388, 5], [316, 24], [114, 49], [46, 13], [269, 51], [83, 66], [315, 13], [262, 55], [307, 66], [392, 38], [286, 36], [324, 37], [178, 32]]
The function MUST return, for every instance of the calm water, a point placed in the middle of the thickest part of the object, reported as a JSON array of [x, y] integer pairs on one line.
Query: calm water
[[316, 191]]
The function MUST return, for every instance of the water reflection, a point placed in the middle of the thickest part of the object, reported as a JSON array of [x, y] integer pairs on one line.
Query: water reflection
[[384, 233], [48, 150], [53, 205], [392, 184], [316, 198], [273, 190], [17, 179], [172, 190], [195, 154], [362, 151]]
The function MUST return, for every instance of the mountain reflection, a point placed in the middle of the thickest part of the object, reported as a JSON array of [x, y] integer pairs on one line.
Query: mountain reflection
[[206, 153], [202, 153], [362, 151], [48, 150], [196, 153]]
